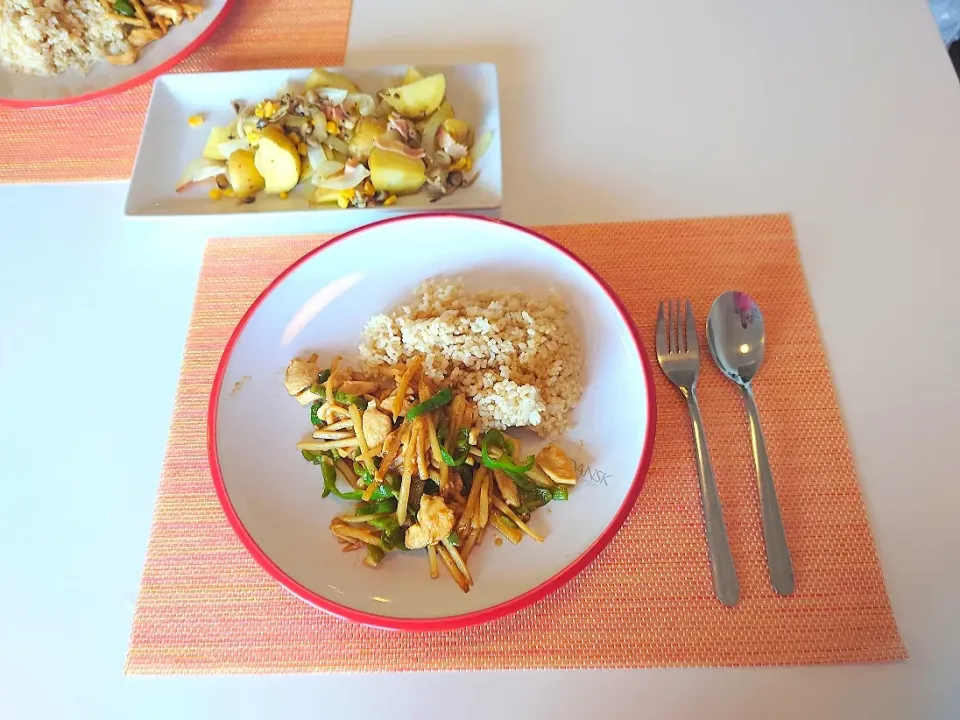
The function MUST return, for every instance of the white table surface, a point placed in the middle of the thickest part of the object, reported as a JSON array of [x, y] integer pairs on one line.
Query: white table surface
[[846, 114]]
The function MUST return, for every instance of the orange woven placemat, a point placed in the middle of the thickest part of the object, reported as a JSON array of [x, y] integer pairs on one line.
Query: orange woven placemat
[[205, 606], [98, 140]]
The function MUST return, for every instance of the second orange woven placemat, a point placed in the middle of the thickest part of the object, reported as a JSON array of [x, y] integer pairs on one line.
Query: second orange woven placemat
[[98, 140], [206, 607]]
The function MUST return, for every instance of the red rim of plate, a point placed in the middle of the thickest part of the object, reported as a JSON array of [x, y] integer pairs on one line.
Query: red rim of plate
[[449, 622], [132, 82]]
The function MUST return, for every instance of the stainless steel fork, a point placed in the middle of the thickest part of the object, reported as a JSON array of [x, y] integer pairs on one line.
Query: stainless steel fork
[[678, 352]]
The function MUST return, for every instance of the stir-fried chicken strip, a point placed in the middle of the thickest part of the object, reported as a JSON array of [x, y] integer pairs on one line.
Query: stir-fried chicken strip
[[434, 523]]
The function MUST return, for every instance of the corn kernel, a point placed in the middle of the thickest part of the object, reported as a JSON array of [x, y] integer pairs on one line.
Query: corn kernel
[[390, 200], [468, 163], [216, 194], [258, 112], [253, 137], [284, 195], [368, 189], [343, 202], [228, 192], [269, 109], [302, 148], [195, 120], [332, 128]]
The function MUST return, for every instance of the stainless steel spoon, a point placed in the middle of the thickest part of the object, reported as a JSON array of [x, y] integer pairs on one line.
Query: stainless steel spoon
[[735, 335]]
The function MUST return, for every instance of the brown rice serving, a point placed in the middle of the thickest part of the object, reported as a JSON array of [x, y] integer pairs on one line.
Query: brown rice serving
[[47, 37], [517, 357]]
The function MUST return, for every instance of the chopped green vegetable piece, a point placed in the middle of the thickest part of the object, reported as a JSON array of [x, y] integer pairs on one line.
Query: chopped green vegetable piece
[[348, 399], [466, 478], [560, 493], [495, 438], [323, 376], [374, 555], [124, 8], [310, 457], [508, 522], [462, 446], [387, 524], [392, 539], [430, 487], [454, 538], [439, 400], [330, 480], [313, 414]]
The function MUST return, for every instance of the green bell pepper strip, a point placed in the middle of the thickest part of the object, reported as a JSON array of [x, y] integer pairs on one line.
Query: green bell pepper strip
[[348, 399], [454, 538], [439, 400], [323, 376], [560, 493], [329, 471], [375, 508], [313, 414], [496, 438], [462, 446], [125, 8]]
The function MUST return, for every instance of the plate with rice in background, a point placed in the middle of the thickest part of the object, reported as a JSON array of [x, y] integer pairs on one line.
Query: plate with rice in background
[[430, 422], [63, 52]]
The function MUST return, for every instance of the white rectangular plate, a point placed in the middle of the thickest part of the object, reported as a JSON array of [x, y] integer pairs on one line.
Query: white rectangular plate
[[169, 143]]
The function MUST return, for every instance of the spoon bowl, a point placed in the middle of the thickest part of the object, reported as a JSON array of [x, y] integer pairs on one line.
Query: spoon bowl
[[736, 336]]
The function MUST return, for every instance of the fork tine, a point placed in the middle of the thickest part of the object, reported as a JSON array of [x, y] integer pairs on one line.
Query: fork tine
[[675, 325], [662, 347], [681, 328], [693, 345]]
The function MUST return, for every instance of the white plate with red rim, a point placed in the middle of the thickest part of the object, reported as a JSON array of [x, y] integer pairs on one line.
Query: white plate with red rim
[[272, 497], [72, 87]]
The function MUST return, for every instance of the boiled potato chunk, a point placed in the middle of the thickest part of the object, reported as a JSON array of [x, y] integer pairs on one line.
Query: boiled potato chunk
[[367, 130], [324, 78], [412, 76], [418, 99], [242, 172], [218, 135], [277, 160], [323, 196], [396, 173]]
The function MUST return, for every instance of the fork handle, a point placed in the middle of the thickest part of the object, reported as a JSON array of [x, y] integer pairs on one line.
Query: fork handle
[[774, 537], [725, 582]]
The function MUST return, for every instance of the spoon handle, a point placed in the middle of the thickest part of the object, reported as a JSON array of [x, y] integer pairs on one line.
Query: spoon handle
[[778, 555], [725, 583]]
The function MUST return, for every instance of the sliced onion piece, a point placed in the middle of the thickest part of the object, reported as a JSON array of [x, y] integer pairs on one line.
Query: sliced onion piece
[[432, 125], [325, 169], [315, 156], [199, 170], [335, 143], [245, 115], [481, 146], [348, 179], [365, 104], [229, 147], [334, 95]]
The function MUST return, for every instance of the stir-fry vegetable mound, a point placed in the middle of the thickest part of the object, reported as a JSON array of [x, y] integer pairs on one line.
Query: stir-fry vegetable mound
[[419, 468]]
